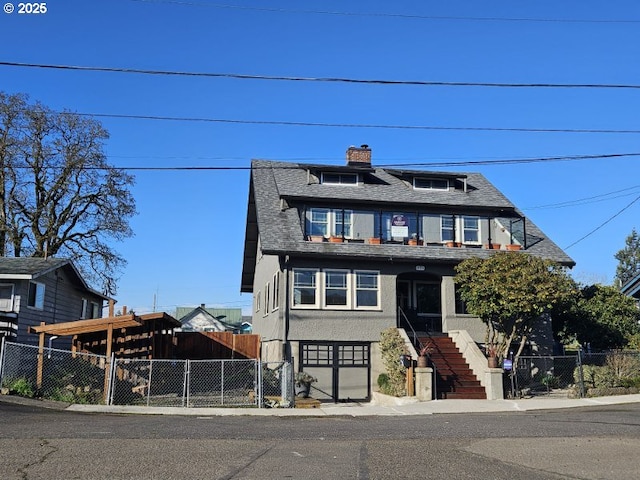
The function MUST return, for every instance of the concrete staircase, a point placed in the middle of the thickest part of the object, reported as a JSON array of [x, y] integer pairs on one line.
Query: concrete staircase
[[454, 378]]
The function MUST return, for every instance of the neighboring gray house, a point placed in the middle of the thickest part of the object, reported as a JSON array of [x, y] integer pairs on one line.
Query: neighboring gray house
[[35, 290], [335, 254]]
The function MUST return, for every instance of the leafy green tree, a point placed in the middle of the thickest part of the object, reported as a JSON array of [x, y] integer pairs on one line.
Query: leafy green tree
[[511, 292], [58, 195], [604, 318], [628, 259]]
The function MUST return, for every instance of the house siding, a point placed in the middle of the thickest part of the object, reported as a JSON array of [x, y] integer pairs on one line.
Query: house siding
[[62, 303]]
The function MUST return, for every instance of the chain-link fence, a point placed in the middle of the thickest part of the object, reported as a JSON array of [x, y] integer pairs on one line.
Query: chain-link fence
[[579, 375], [83, 378], [543, 375], [54, 374]]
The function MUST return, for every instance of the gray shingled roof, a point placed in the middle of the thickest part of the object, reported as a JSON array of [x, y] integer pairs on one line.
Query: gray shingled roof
[[277, 186], [29, 266], [32, 268]]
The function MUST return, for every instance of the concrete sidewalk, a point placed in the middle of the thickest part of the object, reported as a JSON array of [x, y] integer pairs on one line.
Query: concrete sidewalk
[[379, 406]]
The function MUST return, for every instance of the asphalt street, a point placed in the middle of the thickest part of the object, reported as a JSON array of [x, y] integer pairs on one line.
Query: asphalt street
[[598, 442]]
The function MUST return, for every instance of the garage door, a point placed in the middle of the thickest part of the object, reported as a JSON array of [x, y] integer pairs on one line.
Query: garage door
[[342, 370]]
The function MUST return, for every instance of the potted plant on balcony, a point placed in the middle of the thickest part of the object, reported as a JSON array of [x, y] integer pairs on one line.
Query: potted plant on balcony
[[303, 383], [513, 247], [335, 239], [414, 240], [374, 241], [316, 238]]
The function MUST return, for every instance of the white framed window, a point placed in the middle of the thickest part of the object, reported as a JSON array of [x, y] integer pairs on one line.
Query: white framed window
[[367, 291], [276, 292], [35, 298], [305, 288], [423, 183], [6, 298], [318, 222], [336, 289], [339, 179], [325, 222], [267, 299], [467, 228], [447, 228], [471, 229], [84, 304]]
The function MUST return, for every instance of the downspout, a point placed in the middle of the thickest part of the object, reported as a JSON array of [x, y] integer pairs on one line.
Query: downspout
[[286, 350]]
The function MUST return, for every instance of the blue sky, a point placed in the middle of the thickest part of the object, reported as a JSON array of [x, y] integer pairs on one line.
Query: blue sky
[[190, 228]]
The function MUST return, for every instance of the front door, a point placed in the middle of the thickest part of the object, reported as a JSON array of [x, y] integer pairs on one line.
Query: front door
[[420, 304], [428, 303]]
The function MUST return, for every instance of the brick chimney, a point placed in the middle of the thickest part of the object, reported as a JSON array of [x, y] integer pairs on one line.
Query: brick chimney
[[359, 156]]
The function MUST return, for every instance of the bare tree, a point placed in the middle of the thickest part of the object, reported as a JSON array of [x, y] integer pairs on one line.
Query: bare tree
[[58, 195]]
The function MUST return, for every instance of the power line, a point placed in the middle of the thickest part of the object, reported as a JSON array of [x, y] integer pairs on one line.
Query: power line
[[582, 201], [389, 15], [241, 76], [354, 125], [387, 165], [604, 223], [515, 161]]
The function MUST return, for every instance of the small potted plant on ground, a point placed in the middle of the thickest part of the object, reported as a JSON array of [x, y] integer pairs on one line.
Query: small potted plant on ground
[[303, 384]]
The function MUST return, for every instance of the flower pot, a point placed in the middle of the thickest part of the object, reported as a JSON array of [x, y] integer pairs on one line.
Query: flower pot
[[492, 362], [303, 390], [374, 241], [414, 241], [336, 239], [492, 246], [422, 361], [453, 244], [513, 247], [316, 238]]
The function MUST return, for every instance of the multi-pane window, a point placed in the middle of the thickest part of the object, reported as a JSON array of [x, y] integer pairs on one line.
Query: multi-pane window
[[6, 298], [305, 288], [336, 289], [447, 228], [342, 223], [35, 298], [318, 222], [430, 183], [325, 222], [471, 229], [366, 289], [83, 308], [339, 178]]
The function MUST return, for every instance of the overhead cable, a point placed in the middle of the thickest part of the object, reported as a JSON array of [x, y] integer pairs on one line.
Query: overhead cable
[[242, 76]]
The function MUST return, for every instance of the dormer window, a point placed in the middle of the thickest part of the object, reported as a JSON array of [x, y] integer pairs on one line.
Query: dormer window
[[422, 183], [339, 178]]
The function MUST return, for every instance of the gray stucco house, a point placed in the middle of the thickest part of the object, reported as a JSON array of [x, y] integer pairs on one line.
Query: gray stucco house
[[35, 290], [333, 255]]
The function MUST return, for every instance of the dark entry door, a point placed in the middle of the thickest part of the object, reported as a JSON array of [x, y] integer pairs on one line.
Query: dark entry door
[[428, 302], [342, 370]]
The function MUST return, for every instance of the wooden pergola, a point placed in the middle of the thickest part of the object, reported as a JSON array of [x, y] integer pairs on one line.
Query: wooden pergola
[[132, 336]]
